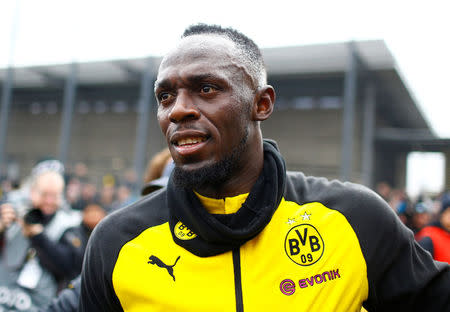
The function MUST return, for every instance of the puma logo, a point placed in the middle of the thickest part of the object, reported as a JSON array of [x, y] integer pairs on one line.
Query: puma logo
[[158, 262]]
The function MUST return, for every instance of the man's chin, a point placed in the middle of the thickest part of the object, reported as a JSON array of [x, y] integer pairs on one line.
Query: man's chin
[[196, 177], [210, 174]]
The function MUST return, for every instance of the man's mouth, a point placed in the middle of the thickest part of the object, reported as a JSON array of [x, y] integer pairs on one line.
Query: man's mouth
[[189, 145], [189, 141]]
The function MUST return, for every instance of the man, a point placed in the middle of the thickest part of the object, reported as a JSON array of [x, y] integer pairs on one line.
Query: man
[[233, 231], [435, 237], [64, 257], [75, 240], [27, 272]]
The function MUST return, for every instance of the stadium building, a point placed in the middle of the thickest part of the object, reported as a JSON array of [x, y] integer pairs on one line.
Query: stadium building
[[343, 111]]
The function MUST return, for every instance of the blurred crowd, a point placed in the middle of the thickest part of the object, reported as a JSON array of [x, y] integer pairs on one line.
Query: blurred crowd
[[46, 221], [45, 224], [428, 217]]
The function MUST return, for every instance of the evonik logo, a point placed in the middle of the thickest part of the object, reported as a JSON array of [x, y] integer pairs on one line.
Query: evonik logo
[[287, 286]]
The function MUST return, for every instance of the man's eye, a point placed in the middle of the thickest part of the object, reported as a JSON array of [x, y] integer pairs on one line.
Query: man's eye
[[207, 89], [164, 96]]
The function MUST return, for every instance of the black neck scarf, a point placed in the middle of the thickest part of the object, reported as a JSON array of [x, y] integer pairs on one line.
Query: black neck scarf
[[218, 233]]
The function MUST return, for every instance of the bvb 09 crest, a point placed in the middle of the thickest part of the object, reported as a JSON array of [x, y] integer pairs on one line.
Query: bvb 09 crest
[[183, 232], [304, 244]]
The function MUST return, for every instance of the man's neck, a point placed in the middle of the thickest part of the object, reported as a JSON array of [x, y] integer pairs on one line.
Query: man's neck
[[239, 183]]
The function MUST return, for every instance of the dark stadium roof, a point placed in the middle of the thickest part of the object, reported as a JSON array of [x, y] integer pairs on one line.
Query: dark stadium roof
[[331, 58]]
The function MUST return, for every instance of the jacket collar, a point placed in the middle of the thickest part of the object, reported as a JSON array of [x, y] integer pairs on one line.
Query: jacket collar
[[218, 233]]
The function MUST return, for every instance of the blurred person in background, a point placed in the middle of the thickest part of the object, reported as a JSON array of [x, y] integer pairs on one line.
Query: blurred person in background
[[156, 165], [75, 241], [73, 193], [81, 172], [435, 237], [400, 202], [89, 195], [67, 300], [28, 279], [107, 196], [130, 180], [160, 182], [384, 190], [124, 197], [7, 186], [421, 216], [66, 255], [158, 171]]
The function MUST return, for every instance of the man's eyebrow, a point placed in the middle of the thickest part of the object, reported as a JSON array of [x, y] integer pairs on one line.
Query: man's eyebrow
[[202, 77], [164, 84], [192, 79]]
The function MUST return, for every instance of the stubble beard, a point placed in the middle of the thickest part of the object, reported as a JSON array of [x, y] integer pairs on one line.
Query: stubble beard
[[213, 175]]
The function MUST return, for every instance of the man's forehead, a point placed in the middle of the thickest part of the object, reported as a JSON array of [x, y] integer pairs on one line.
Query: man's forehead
[[202, 55], [203, 46]]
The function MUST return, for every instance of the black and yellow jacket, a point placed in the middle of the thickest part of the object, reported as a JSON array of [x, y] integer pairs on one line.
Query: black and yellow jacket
[[294, 243]]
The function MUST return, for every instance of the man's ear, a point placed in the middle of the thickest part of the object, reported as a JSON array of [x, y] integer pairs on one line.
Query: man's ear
[[263, 105]]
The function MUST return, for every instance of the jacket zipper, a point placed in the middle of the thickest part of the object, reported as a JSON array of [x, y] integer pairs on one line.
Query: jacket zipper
[[237, 280]]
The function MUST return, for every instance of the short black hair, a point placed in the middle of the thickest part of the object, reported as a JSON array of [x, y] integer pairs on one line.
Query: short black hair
[[249, 50]]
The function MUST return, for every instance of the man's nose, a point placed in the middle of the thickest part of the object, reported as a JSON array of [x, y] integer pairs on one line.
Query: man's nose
[[184, 108]]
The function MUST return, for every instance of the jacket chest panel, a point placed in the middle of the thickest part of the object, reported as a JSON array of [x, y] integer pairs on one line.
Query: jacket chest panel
[[308, 257], [152, 273]]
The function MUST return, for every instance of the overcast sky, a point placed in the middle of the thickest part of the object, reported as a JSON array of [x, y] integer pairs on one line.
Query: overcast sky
[[58, 31]]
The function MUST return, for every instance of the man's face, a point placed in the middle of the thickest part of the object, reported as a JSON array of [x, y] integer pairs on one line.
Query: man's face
[[204, 102], [47, 194]]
